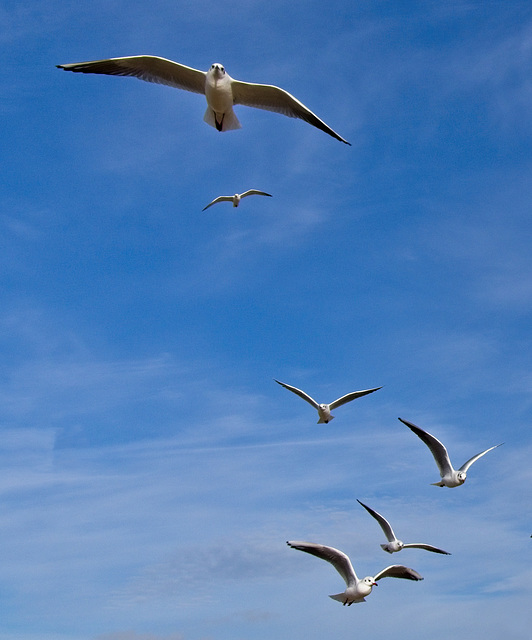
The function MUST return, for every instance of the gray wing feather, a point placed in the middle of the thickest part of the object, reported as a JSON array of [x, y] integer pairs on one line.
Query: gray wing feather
[[219, 199], [467, 464], [351, 396], [271, 98], [398, 571], [337, 558], [148, 68], [254, 192], [385, 525], [437, 449], [299, 393], [427, 547]]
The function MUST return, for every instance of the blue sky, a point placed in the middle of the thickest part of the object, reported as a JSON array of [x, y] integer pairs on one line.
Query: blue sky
[[150, 468]]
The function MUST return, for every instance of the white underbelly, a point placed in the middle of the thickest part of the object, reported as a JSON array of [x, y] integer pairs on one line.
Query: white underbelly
[[219, 96]]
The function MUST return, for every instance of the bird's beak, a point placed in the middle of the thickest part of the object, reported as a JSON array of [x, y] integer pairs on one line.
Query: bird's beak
[[375, 584]]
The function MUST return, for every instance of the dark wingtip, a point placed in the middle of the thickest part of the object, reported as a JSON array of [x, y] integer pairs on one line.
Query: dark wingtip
[[408, 424]]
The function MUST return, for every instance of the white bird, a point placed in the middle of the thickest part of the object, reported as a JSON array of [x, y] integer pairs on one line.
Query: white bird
[[449, 476], [222, 91], [357, 589], [324, 410], [237, 197], [394, 544]]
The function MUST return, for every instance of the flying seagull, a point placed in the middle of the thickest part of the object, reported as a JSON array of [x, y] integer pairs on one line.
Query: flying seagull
[[237, 197], [324, 410], [394, 544], [222, 91], [356, 589], [449, 476]]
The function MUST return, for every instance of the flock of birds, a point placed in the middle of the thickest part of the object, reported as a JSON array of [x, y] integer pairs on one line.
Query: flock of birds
[[223, 92], [356, 589]]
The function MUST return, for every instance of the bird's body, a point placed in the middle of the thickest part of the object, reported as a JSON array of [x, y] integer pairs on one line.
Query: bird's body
[[450, 477], [221, 91], [394, 544], [219, 95], [356, 590], [324, 410], [237, 197]]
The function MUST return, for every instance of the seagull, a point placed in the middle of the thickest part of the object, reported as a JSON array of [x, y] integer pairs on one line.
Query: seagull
[[324, 410], [356, 589], [222, 91], [450, 477], [394, 544], [237, 197]]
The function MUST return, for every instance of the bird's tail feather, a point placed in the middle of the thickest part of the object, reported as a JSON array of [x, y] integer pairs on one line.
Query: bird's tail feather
[[340, 597], [229, 120]]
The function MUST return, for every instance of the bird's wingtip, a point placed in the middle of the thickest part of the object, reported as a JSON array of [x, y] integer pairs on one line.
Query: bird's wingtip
[[407, 423]]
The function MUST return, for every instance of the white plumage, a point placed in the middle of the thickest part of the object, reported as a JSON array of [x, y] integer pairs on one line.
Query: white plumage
[[221, 91], [393, 545], [237, 197], [356, 590], [450, 477], [324, 410]]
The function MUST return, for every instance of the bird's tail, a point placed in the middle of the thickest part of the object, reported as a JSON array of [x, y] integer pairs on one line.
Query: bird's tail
[[340, 597], [324, 421], [228, 122]]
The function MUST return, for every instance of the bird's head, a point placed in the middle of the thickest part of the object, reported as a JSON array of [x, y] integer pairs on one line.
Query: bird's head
[[461, 477], [218, 69], [396, 545], [324, 407], [370, 581]]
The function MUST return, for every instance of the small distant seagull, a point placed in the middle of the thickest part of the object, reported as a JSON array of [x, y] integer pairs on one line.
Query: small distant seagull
[[356, 589], [449, 476], [237, 197], [222, 91], [394, 544], [324, 410]]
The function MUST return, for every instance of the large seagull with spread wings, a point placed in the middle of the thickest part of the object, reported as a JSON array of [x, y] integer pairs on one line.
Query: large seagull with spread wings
[[222, 91]]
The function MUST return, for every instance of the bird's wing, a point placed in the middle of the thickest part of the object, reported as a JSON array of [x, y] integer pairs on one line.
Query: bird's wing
[[351, 396], [338, 559], [271, 98], [398, 571], [467, 464], [254, 192], [385, 525], [436, 447], [427, 547], [299, 393], [149, 68], [219, 199]]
